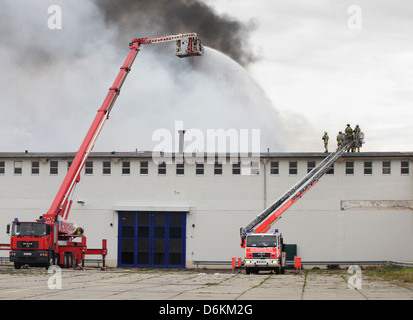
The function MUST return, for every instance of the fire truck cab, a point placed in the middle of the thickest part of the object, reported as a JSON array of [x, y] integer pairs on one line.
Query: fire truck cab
[[264, 252], [30, 243]]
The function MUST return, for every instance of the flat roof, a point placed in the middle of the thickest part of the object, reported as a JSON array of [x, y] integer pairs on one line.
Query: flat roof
[[149, 154]]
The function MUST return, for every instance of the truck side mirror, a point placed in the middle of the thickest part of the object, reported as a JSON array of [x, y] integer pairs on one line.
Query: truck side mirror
[[8, 229]]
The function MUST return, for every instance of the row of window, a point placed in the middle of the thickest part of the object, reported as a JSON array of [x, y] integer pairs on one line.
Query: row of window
[[252, 169], [367, 169], [107, 168]]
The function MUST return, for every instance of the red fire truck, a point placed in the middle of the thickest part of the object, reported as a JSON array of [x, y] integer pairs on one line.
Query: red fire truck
[[51, 239], [264, 250]]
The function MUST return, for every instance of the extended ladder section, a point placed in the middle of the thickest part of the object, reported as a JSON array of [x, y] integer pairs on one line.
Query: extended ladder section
[[269, 216]]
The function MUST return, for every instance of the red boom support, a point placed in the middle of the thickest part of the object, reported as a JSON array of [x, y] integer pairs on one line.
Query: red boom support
[[61, 200]]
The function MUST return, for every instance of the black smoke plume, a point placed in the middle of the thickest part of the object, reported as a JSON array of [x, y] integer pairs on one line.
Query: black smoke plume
[[148, 18]]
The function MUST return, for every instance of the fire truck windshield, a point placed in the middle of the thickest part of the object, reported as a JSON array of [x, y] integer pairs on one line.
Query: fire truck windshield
[[34, 229], [261, 241]]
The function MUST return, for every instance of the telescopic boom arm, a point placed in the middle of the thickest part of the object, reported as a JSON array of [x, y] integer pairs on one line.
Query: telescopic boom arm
[[263, 222], [187, 45]]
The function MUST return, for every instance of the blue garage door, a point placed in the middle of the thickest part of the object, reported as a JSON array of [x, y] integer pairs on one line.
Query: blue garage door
[[151, 239]]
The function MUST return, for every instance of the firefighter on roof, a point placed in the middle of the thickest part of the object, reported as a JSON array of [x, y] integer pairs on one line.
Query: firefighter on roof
[[357, 137], [339, 140], [325, 138], [349, 134]]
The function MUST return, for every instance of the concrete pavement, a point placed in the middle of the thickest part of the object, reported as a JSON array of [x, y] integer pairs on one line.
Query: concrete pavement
[[159, 284]]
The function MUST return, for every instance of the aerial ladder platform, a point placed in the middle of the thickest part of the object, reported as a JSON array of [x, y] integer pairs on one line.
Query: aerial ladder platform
[[51, 239], [265, 250], [263, 222]]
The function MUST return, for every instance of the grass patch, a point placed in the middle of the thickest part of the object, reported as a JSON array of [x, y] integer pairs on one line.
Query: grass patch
[[210, 284], [262, 282], [390, 273]]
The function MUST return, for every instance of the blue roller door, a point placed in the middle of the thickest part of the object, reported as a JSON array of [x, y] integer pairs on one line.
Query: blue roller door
[[151, 239]]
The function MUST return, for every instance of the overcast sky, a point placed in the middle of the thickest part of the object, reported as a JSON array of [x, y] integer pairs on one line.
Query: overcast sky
[[313, 66], [306, 67]]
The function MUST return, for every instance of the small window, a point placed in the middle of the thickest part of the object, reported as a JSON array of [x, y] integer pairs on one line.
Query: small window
[[89, 167], [218, 168], [199, 169], [126, 167], [2, 167], [386, 169], [180, 168], [144, 167], [331, 170], [54, 167], [293, 167], [35, 167], [404, 169], [275, 165], [368, 167], [18, 167], [69, 163], [349, 167], [310, 166], [162, 168], [236, 168], [107, 167]]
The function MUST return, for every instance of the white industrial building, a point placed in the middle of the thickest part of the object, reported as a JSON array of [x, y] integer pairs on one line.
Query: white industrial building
[[181, 215]]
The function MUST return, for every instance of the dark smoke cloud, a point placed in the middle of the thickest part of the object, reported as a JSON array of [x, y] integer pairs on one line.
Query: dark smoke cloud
[[54, 80], [161, 17]]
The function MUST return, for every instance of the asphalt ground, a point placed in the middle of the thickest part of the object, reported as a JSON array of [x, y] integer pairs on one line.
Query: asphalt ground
[[211, 292]]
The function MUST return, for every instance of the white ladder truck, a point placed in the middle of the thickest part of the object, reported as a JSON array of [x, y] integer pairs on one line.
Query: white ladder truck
[[265, 250]]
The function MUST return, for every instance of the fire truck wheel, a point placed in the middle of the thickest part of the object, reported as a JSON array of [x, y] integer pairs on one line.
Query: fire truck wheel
[[17, 265]]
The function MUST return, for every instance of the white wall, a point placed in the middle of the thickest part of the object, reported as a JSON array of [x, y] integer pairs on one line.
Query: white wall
[[219, 205]]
